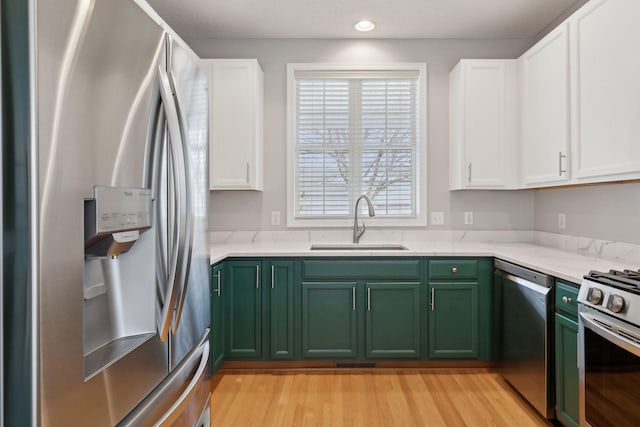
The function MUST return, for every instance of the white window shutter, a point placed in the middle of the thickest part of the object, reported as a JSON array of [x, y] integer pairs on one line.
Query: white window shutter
[[356, 133]]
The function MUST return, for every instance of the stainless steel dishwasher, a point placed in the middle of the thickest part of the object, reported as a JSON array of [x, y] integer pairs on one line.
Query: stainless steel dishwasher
[[525, 329]]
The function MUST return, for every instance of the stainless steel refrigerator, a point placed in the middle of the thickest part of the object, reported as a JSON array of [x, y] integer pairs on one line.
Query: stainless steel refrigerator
[[105, 290]]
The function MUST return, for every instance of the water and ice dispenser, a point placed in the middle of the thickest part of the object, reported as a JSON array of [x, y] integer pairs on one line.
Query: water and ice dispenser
[[119, 275], [114, 219]]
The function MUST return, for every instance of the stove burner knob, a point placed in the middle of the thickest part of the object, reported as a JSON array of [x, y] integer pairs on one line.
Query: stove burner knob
[[594, 296], [615, 303]]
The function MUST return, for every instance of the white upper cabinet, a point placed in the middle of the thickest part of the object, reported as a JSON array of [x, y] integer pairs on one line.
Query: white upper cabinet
[[544, 84], [483, 125], [605, 58], [578, 103], [236, 124]]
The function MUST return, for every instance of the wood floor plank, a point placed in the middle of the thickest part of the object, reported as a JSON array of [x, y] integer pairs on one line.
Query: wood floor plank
[[354, 398], [511, 410], [425, 406], [443, 398], [481, 399], [368, 397]]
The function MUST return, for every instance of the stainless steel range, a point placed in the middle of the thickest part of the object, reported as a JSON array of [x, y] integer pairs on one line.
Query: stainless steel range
[[609, 349]]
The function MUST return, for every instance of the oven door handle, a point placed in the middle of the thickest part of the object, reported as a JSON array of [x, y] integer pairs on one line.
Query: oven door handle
[[596, 324]]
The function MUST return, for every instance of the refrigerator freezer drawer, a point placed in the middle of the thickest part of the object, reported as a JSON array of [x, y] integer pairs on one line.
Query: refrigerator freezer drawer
[[181, 398]]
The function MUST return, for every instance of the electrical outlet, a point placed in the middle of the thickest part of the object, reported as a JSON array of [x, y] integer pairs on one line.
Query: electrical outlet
[[562, 221], [275, 218], [437, 218], [468, 218]]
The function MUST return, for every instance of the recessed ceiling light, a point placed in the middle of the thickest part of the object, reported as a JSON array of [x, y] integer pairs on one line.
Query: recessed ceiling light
[[364, 26]]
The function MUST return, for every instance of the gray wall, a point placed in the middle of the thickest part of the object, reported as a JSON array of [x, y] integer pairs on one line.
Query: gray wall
[[237, 210], [608, 211], [560, 19]]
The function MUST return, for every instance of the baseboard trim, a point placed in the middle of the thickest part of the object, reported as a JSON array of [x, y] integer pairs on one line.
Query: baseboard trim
[[355, 364]]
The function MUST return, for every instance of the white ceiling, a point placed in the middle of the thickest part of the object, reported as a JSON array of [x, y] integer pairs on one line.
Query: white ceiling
[[335, 18]]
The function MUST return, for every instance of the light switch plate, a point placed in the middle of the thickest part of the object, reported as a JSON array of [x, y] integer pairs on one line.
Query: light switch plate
[[562, 221], [437, 218]]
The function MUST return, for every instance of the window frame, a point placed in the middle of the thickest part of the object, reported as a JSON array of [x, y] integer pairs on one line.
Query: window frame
[[421, 178]]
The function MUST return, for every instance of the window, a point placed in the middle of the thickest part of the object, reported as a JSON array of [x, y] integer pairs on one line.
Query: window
[[197, 126], [355, 131]]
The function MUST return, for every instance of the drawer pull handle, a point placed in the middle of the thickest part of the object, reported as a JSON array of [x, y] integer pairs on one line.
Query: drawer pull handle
[[454, 270], [566, 300]]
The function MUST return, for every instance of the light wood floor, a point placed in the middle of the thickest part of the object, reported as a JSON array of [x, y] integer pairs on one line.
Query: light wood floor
[[375, 397]]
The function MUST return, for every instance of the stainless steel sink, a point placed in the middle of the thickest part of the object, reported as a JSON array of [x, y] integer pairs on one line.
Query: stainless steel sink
[[358, 247]]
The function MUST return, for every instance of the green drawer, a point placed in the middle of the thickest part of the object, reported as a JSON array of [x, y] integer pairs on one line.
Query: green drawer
[[567, 298], [405, 269], [453, 269]]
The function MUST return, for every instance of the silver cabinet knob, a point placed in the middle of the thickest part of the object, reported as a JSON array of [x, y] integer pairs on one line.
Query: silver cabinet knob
[[566, 300], [454, 270]]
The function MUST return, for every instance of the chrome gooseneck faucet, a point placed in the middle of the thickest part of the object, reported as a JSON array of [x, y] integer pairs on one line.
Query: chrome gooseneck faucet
[[357, 231]]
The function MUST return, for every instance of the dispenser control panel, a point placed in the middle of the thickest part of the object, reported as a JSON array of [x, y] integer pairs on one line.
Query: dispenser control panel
[[115, 209]]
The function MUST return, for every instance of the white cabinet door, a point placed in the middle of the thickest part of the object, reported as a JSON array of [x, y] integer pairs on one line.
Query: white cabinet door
[[236, 99], [605, 38], [483, 138], [544, 84]]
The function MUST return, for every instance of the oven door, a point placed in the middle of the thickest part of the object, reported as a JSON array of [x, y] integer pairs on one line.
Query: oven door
[[609, 352]]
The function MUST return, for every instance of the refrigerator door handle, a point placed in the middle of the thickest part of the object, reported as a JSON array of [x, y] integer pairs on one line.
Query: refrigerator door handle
[[177, 248], [176, 409], [153, 164], [184, 262]]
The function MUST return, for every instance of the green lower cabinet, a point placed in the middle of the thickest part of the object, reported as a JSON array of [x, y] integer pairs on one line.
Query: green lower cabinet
[[392, 320], [333, 309], [281, 304], [243, 310], [567, 403], [329, 320], [453, 320], [217, 330]]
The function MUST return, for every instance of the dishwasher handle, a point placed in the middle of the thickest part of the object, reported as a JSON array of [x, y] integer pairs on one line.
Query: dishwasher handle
[[524, 273], [542, 290]]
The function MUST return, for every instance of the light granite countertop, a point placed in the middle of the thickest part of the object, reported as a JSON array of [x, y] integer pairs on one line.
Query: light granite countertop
[[563, 264]]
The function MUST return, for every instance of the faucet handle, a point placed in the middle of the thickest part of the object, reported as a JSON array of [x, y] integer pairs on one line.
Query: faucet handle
[[361, 230]]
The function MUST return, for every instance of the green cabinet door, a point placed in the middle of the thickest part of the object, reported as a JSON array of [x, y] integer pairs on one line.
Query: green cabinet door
[[217, 348], [243, 310], [453, 320], [567, 402], [329, 320], [392, 321], [281, 304]]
